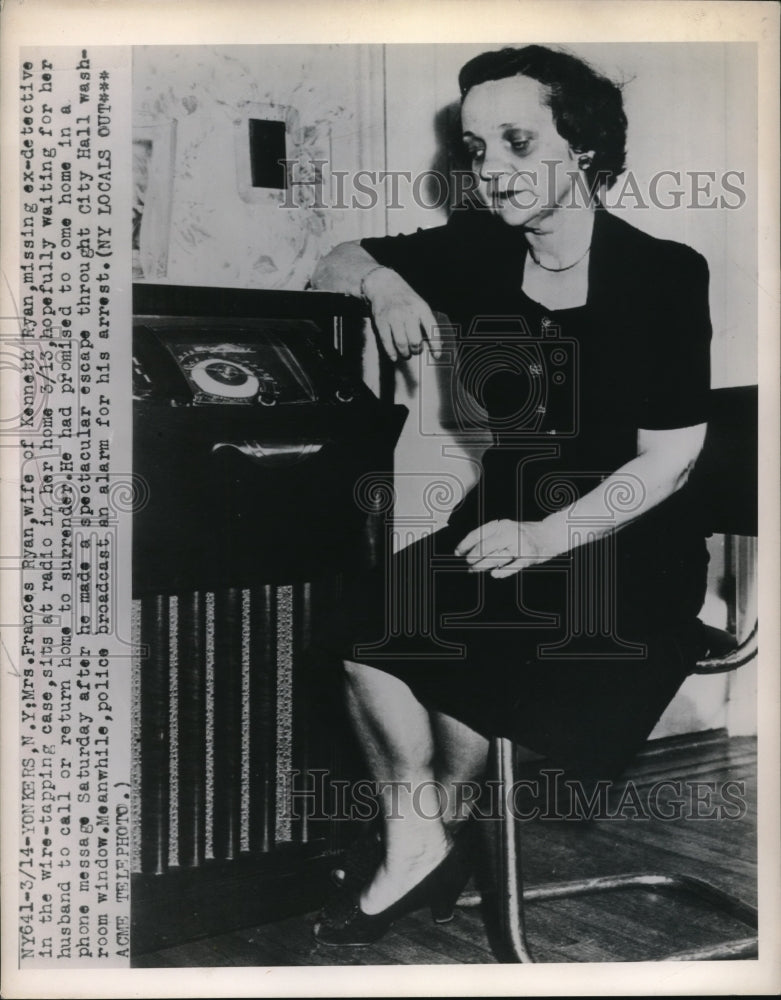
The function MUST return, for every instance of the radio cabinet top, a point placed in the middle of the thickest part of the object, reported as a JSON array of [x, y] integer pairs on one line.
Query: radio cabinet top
[[252, 439]]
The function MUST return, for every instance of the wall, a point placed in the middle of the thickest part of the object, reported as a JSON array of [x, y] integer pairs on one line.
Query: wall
[[219, 233]]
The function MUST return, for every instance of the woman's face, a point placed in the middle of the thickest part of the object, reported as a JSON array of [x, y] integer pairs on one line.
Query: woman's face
[[524, 168]]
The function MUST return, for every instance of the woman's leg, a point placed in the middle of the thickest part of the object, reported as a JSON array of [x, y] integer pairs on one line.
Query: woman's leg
[[460, 760], [396, 734]]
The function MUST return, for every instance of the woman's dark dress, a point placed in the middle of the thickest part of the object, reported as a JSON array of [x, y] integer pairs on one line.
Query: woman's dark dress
[[576, 658]]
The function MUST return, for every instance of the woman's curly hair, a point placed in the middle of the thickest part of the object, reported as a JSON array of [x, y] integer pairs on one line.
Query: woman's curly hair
[[587, 108]]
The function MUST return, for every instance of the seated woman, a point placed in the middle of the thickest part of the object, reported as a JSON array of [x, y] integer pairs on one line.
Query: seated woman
[[556, 606]]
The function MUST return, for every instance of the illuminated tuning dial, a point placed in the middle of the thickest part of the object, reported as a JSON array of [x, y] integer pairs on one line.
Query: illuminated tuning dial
[[226, 378]]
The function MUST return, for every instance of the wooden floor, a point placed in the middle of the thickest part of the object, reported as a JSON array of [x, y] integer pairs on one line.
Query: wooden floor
[[714, 838]]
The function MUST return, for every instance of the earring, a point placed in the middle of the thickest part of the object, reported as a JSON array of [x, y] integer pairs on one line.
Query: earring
[[584, 162]]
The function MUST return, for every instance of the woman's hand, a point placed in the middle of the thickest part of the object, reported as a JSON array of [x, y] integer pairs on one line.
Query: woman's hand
[[401, 317], [505, 547]]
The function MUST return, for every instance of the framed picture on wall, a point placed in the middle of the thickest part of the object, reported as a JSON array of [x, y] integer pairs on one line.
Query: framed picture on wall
[[154, 145]]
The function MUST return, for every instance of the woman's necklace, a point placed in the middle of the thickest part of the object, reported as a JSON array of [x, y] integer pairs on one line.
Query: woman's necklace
[[557, 270]]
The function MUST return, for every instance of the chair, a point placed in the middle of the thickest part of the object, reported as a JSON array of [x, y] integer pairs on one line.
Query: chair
[[724, 481]]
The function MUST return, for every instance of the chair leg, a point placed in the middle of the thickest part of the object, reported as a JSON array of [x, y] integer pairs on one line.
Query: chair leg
[[509, 873], [512, 896]]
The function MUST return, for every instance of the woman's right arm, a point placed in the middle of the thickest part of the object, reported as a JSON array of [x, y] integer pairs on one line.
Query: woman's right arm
[[401, 317]]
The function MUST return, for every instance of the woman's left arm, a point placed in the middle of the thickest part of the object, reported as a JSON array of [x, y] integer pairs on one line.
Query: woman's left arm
[[663, 463]]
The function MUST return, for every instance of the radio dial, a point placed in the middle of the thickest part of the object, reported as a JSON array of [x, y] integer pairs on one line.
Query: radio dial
[[225, 378]]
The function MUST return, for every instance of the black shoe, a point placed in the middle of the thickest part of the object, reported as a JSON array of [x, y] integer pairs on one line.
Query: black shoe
[[343, 922]]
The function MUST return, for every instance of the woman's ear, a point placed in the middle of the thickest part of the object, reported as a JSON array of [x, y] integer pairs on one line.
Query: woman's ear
[[585, 159]]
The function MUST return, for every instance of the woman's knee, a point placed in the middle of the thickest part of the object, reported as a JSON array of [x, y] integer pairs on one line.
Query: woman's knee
[[361, 675], [357, 675], [398, 720], [368, 685]]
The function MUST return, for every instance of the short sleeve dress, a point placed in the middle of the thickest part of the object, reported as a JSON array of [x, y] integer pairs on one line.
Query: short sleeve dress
[[578, 657]]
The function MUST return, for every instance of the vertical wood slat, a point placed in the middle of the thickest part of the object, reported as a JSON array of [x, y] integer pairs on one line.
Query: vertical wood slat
[[192, 727], [154, 736], [283, 826], [263, 718], [227, 724], [209, 724], [173, 731], [245, 701], [303, 805]]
